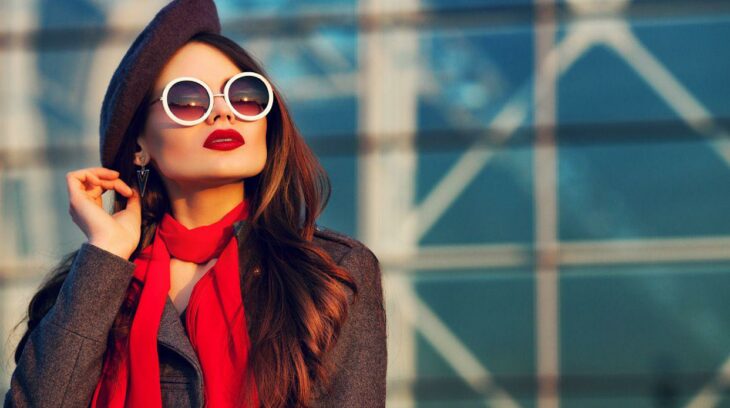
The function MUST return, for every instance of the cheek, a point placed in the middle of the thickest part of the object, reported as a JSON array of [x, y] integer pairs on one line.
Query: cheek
[[163, 139], [173, 151], [174, 145], [256, 139]]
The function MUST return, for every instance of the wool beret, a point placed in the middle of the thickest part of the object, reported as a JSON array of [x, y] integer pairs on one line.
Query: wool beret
[[170, 29]]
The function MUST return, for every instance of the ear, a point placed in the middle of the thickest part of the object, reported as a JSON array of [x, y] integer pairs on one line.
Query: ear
[[141, 157]]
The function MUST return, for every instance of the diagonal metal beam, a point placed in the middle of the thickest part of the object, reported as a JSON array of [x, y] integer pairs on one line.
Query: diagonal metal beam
[[677, 96], [505, 123], [454, 352], [710, 394]]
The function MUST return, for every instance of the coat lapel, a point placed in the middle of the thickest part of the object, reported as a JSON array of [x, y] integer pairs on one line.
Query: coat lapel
[[172, 333]]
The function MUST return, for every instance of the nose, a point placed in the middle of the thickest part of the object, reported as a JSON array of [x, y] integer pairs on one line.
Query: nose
[[220, 110]]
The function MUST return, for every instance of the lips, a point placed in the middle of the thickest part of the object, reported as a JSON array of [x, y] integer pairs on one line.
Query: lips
[[224, 139]]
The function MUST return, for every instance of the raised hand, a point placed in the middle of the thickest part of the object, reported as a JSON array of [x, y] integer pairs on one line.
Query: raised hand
[[118, 233]]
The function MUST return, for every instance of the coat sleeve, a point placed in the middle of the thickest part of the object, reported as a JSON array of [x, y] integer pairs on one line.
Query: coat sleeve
[[62, 359], [360, 354]]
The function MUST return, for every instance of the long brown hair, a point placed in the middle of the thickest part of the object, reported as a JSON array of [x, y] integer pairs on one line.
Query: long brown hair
[[298, 296]]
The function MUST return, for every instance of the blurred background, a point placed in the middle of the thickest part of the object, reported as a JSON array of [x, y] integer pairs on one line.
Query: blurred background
[[546, 183]]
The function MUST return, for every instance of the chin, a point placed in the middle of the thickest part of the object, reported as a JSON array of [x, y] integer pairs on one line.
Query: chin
[[217, 170], [240, 171]]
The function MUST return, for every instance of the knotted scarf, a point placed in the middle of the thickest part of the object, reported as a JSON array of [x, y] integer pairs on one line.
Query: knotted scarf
[[215, 319]]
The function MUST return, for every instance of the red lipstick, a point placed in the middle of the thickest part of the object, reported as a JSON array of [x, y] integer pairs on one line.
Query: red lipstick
[[224, 139]]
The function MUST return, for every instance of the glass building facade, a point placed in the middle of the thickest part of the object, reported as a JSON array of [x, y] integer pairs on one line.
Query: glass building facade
[[546, 183]]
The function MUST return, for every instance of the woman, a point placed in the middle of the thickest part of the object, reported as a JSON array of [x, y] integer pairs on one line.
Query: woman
[[211, 284]]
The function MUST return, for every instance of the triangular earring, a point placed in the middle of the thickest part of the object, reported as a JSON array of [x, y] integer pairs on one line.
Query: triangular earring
[[142, 179]]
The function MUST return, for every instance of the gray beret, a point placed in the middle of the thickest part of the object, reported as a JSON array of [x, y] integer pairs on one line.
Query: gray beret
[[170, 29]]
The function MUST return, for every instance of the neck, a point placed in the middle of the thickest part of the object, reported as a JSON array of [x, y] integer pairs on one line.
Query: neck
[[198, 206]]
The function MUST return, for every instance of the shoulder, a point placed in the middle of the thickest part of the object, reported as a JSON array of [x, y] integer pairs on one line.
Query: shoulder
[[359, 357], [351, 254], [340, 246]]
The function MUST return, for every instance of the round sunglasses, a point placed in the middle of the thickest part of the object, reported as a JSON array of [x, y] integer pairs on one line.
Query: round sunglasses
[[188, 100]]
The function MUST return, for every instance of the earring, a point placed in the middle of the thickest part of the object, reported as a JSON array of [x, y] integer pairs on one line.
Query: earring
[[142, 178]]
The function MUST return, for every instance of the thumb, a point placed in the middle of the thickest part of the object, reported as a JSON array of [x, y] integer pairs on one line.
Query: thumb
[[134, 202]]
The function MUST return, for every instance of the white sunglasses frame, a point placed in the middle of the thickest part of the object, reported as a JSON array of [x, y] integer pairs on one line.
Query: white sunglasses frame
[[211, 97]]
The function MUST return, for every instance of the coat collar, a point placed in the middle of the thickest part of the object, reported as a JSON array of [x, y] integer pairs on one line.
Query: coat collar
[[172, 334]]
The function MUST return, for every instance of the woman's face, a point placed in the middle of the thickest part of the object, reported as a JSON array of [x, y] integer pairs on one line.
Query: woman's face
[[178, 151]]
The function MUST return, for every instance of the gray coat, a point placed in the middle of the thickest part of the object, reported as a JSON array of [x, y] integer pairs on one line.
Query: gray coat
[[62, 360]]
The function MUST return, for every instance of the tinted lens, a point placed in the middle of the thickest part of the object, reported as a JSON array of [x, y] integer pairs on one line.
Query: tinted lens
[[248, 95], [188, 100]]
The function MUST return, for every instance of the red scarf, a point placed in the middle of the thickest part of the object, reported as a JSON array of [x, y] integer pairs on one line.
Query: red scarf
[[215, 319]]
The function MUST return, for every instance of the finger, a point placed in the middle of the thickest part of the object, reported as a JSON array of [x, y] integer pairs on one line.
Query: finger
[[93, 187], [74, 184], [103, 172], [80, 202], [77, 191], [122, 187], [134, 202], [116, 184], [71, 187], [86, 186], [86, 177], [93, 180], [133, 207]]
